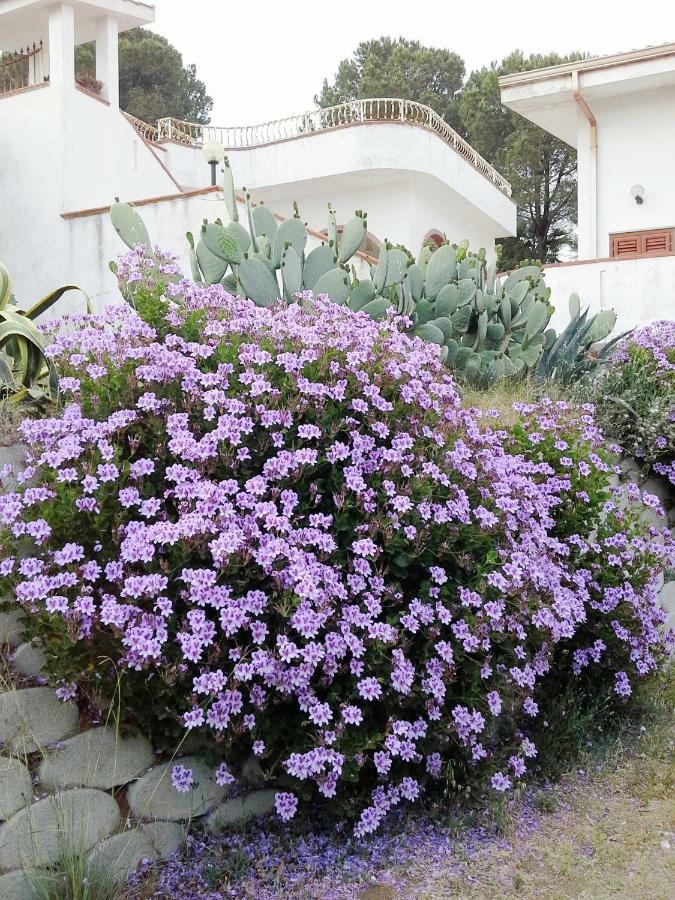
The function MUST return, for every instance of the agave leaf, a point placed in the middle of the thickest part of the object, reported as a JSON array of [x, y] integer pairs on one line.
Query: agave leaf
[[50, 299]]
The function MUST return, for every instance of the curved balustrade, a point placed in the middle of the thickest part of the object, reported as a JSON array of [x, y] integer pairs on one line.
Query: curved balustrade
[[147, 132], [354, 112]]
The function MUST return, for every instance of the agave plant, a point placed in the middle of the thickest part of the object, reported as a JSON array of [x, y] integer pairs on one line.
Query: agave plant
[[25, 371], [574, 354]]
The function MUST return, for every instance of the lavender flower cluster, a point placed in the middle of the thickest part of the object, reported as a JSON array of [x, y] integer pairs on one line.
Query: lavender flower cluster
[[291, 535]]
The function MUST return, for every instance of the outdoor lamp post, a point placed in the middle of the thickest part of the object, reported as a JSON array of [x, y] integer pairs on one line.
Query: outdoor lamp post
[[214, 153]]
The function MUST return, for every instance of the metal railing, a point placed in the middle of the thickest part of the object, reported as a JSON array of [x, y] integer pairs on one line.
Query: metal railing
[[147, 132], [20, 69], [354, 112]]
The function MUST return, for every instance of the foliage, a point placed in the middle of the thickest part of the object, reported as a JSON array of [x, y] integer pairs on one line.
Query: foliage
[[540, 167], [284, 531], [574, 355], [635, 397], [25, 372], [154, 82], [398, 68], [488, 329]]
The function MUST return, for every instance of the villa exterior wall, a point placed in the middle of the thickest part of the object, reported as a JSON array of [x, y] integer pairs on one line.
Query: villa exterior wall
[[362, 158], [638, 290], [636, 145]]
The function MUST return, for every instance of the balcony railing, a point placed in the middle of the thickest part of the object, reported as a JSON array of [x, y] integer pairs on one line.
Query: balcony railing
[[147, 132], [355, 112], [20, 69]]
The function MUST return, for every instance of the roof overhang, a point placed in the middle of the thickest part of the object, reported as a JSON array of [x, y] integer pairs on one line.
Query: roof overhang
[[546, 97], [23, 22]]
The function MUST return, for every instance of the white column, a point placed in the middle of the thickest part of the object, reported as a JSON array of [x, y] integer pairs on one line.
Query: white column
[[107, 64], [587, 192], [62, 46]]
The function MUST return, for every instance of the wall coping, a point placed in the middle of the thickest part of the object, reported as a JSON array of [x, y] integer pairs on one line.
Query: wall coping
[[606, 259]]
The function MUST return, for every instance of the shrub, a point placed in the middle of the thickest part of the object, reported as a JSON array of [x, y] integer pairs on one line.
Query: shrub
[[635, 398], [284, 531]]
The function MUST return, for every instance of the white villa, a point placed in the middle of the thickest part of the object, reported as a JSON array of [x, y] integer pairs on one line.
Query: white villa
[[619, 113], [66, 153]]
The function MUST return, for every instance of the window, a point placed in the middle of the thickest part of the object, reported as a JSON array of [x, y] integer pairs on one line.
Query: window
[[642, 243], [434, 238]]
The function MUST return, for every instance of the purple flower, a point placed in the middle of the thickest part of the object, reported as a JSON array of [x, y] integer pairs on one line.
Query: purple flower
[[286, 805], [181, 778], [500, 782]]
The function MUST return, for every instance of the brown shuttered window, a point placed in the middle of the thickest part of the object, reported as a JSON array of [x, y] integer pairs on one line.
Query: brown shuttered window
[[642, 243]]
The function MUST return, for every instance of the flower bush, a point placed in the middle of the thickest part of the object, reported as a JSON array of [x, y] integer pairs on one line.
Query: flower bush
[[635, 398], [280, 529]]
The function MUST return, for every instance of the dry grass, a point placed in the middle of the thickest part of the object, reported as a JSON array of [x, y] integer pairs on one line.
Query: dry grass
[[502, 395], [610, 834]]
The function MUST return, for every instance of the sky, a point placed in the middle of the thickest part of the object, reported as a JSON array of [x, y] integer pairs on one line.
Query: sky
[[267, 59]]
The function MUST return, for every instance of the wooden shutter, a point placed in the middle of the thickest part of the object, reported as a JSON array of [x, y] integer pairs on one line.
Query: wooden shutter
[[657, 242], [642, 243], [625, 244]]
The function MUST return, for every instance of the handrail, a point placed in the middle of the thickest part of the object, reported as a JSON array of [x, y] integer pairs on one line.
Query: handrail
[[147, 132], [354, 112], [15, 68]]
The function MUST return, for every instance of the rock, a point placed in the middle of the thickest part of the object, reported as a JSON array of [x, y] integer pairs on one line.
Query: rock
[[29, 659], [16, 787], [98, 758], [22, 885], [657, 486], [240, 810], [118, 856], [33, 718], [667, 601], [252, 773], [11, 628], [72, 821], [15, 456], [165, 837], [153, 796]]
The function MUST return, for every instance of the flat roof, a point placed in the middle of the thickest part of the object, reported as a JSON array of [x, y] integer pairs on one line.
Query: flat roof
[[591, 64], [546, 96], [27, 21]]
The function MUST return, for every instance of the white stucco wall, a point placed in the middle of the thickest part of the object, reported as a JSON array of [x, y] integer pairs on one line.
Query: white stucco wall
[[47, 169], [379, 152], [92, 243], [636, 145], [638, 290]]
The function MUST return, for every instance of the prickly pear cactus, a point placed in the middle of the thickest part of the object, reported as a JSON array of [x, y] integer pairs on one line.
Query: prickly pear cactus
[[487, 327]]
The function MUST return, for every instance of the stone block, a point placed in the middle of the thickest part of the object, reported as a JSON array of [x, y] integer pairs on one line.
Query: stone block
[[98, 758], [239, 810], [34, 718], [667, 601], [16, 787], [69, 822], [165, 837], [29, 659], [118, 856], [11, 629], [153, 796], [15, 456]]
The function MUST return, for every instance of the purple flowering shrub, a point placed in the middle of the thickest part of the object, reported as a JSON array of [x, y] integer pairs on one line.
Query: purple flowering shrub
[[280, 529], [635, 398]]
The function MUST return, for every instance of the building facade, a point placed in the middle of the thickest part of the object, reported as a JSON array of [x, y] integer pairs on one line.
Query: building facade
[[66, 153], [618, 112]]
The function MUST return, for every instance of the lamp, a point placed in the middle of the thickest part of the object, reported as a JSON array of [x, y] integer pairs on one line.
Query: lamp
[[637, 192], [214, 152]]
